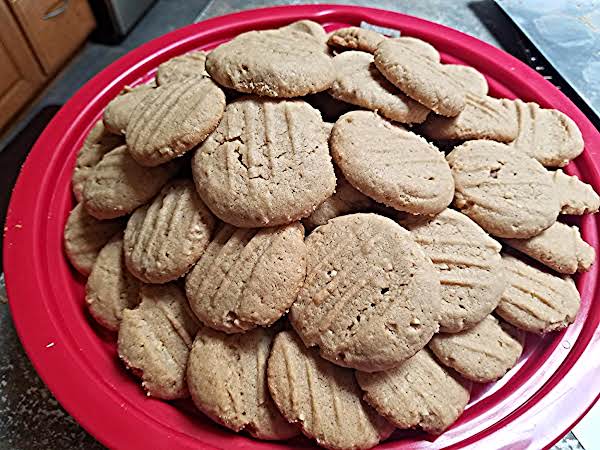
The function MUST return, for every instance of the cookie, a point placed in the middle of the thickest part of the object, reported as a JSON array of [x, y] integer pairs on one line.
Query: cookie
[[85, 236], [266, 164], [110, 288], [468, 261], [227, 379], [469, 78], [482, 354], [559, 247], [537, 301], [418, 393], [359, 82], [97, 143], [273, 63], [155, 340], [390, 164], [483, 118], [248, 277], [165, 238], [311, 28], [424, 49], [371, 296], [575, 196], [507, 193], [117, 185], [355, 38], [345, 200], [173, 119], [547, 135], [324, 399], [182, 67], [422, 79], [118, 112]]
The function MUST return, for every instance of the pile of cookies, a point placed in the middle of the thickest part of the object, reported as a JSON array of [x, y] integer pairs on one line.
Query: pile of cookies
[[340, 279]]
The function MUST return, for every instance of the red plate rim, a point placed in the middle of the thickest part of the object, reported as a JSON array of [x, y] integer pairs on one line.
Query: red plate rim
[[559, 392]]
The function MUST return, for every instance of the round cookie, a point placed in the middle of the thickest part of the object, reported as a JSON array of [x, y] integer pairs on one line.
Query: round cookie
[[119, 110], [424, 49], [537, 301], [324, 399], [96, 144], [173, 119], [371, 296], [274, 63], [482, 354], [85, 236], [247, 277], [547, 135], [469, 78], [391, 164], [345, 200], [164, 239], [155, 340], [422, 79], [266, 164], [117, 185], [483, 118], [418, 393], [507, 193], [355, 38], [359, 82], [559, 247], [468, 261], [575, 196], [227, 379], [110, 288], [182, 67]]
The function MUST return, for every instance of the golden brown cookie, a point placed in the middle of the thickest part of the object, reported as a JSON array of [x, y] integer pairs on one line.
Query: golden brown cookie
[[418, 393], [266, 164], [119, 110], [390, 164], [96, 144], [422, 79], [117, 185], [359, 82], [507, 193], [345, 200], [155, 340], [469, 264], [483, 118], [274, 63], [173, 119], [559, 247], [576, 197], [110, 288], [324, 399], [248, 277], [227, 379], [182, 67], [547, 135], [483, 354], [164, 239], [85, 236], [371, 296], [537, 301], [469, 78]]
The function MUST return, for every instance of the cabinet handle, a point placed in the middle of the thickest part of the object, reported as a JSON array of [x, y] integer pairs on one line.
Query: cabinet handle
[[61, 8]]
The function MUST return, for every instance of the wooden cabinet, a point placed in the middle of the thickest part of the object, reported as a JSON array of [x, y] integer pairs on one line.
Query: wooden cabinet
[[37, 37], [20, 75], [54, 28]]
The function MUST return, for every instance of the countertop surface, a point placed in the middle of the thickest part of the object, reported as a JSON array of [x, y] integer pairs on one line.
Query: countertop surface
[[30, 418]]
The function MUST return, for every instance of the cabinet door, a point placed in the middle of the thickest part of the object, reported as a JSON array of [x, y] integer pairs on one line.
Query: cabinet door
[[55, 28], [20, 74]]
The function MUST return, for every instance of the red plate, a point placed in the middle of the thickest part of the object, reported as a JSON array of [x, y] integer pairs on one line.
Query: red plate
[[554, 384]]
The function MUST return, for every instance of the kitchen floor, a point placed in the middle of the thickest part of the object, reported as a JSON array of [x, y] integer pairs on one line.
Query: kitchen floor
[[30, 418]]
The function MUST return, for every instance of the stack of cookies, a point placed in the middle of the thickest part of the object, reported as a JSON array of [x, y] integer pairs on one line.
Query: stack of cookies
[[340, 279]]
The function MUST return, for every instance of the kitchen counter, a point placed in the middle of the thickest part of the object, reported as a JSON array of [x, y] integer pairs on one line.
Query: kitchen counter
[[30, 418]]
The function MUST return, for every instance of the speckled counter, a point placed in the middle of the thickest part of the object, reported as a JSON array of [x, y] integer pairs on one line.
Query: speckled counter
[[30, 418]]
